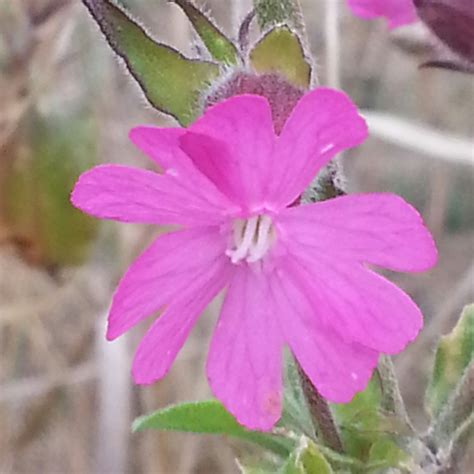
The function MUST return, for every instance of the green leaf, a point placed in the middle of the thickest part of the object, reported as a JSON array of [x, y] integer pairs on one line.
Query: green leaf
[[359, 420], [36, 195], [454, 353], [212, 418], [280, 51], [220, 47], [306, 459], [171, 82]]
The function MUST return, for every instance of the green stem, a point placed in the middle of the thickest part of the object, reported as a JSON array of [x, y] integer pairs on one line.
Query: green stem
[[458, 409], [275, 12], [459, 446]]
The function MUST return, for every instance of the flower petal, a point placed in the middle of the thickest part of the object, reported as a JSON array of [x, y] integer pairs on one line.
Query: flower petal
[[358, 304], [161, 344], [232, 144], [381, 229], [163, 145], [323, 123], [244, 362], [396, 12], [160, 144], [174, 263], [129, 194], [336, 367]]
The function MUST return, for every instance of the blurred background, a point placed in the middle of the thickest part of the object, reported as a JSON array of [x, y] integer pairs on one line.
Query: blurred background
[[66, 395]]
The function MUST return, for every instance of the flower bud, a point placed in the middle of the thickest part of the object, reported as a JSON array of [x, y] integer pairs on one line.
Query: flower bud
[[281, 95]]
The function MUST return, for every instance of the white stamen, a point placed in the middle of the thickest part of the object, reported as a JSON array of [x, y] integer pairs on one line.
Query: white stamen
[[239, 228], [251, 239], [259, 248], [246, 241]]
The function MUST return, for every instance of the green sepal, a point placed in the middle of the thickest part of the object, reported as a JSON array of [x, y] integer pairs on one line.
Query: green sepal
[[210, 417], [280, 51], [171, 82], [219, 46], [454, 353]]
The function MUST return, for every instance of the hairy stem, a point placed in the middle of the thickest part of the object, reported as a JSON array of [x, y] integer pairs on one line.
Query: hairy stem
[[457, 410], [275, 12], [461, 442], [320, 413]]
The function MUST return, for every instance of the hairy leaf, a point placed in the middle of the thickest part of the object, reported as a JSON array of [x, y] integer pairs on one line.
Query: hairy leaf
[[220, 47], [295, 415], [171, 82], [212, 418]]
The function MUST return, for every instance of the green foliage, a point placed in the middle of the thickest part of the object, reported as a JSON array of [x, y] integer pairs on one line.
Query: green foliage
[[54, 154], [280, 51], [359, 420], [220, 47], [306, 459], [385, 453], [171, 82], [454, 353], [212, 418], [369, 433]]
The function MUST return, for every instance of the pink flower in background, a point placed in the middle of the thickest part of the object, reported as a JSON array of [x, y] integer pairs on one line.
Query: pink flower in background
[[294, 276], [396, 12]]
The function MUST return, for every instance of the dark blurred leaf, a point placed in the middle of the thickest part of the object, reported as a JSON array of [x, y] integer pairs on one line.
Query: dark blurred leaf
[[220, 47], [280, 51], [172, 83], [53, 154], [452, 21], [212, 418]]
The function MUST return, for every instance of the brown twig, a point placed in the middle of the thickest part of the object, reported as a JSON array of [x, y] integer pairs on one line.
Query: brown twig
[[320, 413]]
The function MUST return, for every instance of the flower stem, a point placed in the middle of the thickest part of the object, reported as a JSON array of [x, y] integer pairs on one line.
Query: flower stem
[[274, 12], [321, 414], [457, 410]]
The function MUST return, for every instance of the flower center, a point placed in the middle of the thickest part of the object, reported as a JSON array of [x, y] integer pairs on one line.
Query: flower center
[[252, 238]]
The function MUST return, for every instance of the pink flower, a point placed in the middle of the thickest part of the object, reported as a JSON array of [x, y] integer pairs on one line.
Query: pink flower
[[293, 276], [397, 12]]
